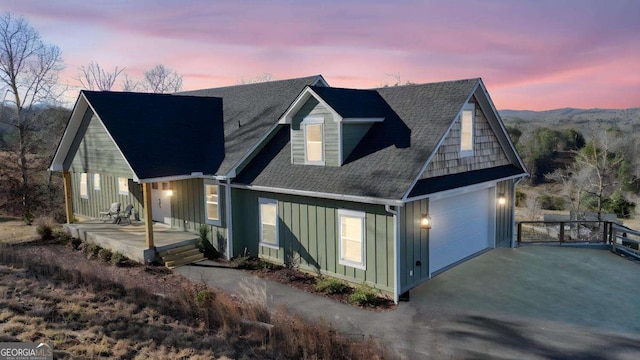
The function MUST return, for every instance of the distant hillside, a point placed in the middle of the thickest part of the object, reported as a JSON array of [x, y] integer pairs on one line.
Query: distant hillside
[[625, 119]]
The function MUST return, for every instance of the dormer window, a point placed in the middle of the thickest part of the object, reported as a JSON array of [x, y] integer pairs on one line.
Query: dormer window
[[314, 140], [466, 130]]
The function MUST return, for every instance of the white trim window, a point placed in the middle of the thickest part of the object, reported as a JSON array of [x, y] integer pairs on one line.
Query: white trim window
[[352, 238], [84, 186], [466, 130], [313, 140], [212, 203], [123, 186], [268, 213], [96, 182]]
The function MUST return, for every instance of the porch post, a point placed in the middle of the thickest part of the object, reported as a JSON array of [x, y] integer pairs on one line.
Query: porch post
[[148, 222], [68, 199]]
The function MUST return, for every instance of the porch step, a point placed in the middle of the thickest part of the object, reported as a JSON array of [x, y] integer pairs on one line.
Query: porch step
[[181, 256]]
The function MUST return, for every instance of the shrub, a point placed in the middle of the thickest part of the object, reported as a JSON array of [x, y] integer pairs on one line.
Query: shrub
[[44, 228], [105, 254], [619, 205], [91, 250], [75, 243], [118, 259], [364, 295], [521, 197], [28, 217], [205, 297], [548, 202], [331, 285], [242, 262]]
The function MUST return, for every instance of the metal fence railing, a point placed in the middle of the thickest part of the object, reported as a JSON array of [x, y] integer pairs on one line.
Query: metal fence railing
[[624, 239], [561, 232]]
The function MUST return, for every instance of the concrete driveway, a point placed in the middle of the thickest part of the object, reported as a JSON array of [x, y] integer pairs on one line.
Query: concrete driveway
[[533, 302]]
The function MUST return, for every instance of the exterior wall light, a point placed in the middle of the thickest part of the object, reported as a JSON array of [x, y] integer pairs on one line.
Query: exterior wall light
[[169, 192], [502, 200], [425, 221]]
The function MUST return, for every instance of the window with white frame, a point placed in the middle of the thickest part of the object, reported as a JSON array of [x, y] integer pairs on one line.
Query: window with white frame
[[212, 203], [123, 186], [352, 238], [313, 140], [96, 181], [466, 130], [268, 222], [84, 186]]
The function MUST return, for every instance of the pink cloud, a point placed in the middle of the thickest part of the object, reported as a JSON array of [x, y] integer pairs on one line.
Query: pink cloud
[[535, 54]]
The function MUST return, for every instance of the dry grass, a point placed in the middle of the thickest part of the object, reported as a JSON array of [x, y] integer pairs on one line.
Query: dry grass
[[14, 230], [91, 309]]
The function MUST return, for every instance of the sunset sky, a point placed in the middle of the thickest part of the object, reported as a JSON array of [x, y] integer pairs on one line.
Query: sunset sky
[[531, 54]]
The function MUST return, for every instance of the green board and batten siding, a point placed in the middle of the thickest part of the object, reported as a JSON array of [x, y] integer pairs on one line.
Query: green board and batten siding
[[93, 152], [309, 229], [331, 128], [351, 136], [505, 214], [414, 245], [100, 200], [188, 209]]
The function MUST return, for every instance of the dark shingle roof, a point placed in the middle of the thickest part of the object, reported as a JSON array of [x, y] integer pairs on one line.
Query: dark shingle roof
[[387, 159], [256, 107], [352, 103], [158, 129]]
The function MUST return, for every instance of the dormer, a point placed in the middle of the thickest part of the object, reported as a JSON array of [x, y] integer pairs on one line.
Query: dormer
[[326, 123]]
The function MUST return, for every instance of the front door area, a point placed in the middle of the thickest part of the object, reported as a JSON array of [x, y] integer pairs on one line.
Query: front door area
[[161, 202]]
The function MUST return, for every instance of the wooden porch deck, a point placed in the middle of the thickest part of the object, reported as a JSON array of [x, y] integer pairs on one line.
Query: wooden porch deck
[[129, 239]]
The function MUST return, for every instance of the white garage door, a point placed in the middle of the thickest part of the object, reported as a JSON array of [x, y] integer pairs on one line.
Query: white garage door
[[462, 226]]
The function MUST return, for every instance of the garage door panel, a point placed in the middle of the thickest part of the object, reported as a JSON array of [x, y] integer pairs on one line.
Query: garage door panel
[[461, 227]]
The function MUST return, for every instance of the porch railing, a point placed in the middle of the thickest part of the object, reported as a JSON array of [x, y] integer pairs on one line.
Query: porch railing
[[564, 232], [626, 240]]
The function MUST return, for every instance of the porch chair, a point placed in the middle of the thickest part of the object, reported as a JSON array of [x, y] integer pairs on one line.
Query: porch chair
[[109, 214], [125, 215]]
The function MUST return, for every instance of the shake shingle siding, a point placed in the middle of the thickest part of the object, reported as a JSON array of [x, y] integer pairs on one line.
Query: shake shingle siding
[[487, 152]]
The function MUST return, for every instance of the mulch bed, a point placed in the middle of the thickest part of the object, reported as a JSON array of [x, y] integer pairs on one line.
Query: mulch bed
[[307, 282]]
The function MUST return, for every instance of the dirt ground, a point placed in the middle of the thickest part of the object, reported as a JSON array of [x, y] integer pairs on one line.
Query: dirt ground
[[14, 230]]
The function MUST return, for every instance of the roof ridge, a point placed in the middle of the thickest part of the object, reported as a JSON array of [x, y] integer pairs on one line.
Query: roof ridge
[[429, 83], [253, 84]]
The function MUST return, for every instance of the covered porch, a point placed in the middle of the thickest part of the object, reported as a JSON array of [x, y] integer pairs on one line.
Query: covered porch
[[131, 240]]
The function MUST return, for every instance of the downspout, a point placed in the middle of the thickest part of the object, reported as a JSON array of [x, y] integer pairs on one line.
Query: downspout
[[513, 214], [229, 220], [396, 258]]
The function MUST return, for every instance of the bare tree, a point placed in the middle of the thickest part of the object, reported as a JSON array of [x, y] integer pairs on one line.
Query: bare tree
[[130, 84], [94, 77], [29, 68], [161, 79], [574, 181], [600, 159], [265, 77]]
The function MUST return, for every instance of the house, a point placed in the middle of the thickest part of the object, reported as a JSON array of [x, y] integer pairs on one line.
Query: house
[[389, 186]]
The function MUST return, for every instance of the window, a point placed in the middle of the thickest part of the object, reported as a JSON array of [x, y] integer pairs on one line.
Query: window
[[96, 181], [268, 222], [84, 186], [352, 240], [212, 204], [466, 130], [313, 141], [123, 186]]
